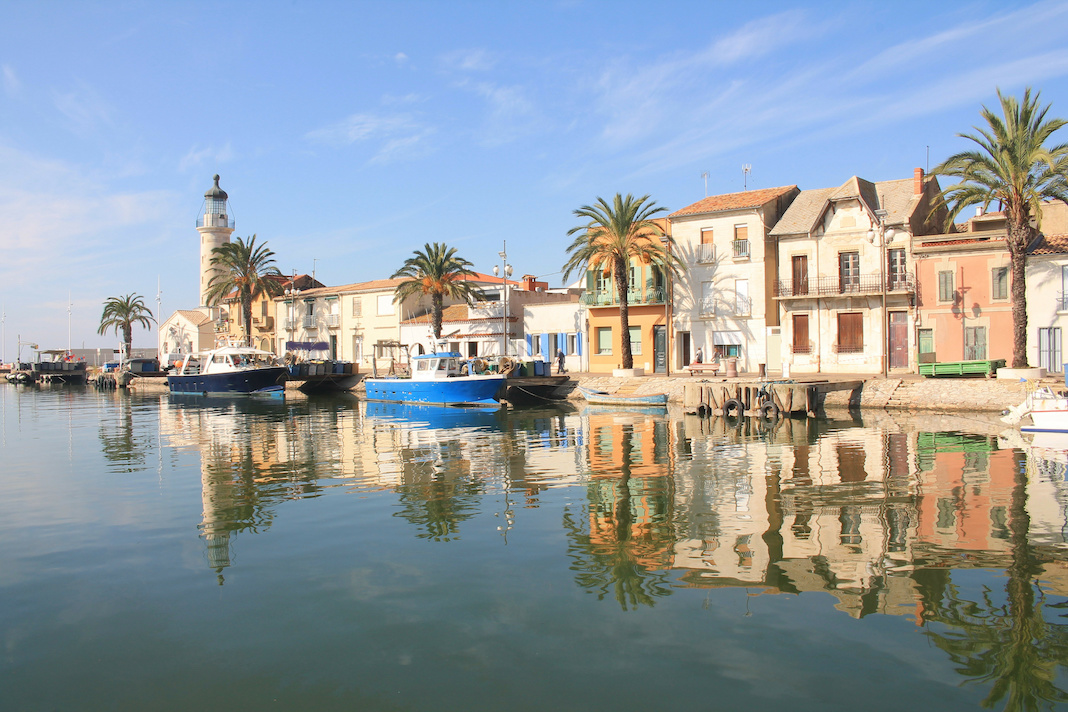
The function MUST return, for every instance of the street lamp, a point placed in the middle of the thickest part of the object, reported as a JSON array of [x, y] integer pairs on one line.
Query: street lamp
[[506, 269], [882, 235]]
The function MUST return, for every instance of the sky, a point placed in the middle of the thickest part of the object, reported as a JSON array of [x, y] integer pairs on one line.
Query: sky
[[349, 134]]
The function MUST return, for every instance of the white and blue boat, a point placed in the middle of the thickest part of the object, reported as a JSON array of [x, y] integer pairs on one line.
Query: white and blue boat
[[440, 379], [230, 370]]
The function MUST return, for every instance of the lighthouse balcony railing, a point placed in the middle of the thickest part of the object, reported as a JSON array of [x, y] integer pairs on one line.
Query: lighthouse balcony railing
[[215, 221]]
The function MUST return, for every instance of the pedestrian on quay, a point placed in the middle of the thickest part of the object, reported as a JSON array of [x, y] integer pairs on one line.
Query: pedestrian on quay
[[560, 361]]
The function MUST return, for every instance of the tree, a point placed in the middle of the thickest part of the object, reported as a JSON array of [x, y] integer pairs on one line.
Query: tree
[[615, 236], [121, 313], [1012, 167], [437, 271], [246, 271]]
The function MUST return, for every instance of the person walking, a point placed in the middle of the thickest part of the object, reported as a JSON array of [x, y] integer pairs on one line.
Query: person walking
[[560, 361], [700, 358]]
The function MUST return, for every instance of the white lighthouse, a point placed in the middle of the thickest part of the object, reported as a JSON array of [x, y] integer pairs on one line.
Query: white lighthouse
[[215, 226]]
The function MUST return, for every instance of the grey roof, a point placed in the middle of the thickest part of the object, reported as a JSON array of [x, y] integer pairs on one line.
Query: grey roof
[[896, 197], [216, 193]]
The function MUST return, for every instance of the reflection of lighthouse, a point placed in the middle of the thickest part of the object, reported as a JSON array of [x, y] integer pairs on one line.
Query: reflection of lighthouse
[[215, 226]]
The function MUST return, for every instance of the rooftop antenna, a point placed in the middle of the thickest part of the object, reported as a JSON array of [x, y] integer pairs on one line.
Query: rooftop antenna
[[314, 262], [928, 168], [705, 176], [746, 170]]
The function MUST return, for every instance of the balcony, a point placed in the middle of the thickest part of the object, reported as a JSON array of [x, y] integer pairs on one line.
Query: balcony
[[333, 321], [309, 322], [741, 249], [655, 295], [222, 326], [709, 307], [264, 323], [289, 324], [705, 254], [868, 284]]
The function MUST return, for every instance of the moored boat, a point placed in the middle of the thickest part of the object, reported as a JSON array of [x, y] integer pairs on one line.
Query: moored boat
[[1048, 411], [596, 397], [236, 370], [438, 378]]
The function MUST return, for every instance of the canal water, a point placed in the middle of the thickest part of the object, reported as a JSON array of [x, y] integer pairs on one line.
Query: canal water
[[166, 553]]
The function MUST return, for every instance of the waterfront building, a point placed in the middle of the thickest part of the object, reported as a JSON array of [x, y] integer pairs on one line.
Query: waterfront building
[[846, 276], [723, 303], [962, 292], [1047, 291], [186, 331], [229, 325], [648, 314]]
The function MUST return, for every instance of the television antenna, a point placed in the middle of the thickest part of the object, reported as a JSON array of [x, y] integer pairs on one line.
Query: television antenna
[[746, 170], [705, 176]]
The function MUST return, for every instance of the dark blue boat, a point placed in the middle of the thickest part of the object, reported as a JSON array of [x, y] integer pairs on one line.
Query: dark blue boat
[[231, 370]]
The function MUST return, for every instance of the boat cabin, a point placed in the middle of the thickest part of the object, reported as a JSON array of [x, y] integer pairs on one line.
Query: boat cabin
[[436, 366], [225, 360]]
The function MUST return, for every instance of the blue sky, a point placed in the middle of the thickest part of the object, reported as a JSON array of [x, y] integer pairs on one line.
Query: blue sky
[[349, 134]]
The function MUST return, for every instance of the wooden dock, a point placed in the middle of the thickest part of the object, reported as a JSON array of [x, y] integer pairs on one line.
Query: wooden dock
[[736, 398]]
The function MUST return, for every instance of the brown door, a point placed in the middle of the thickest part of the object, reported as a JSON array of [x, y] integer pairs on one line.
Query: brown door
[[801, 334], [899, 340], [800, 269], [851, 333]]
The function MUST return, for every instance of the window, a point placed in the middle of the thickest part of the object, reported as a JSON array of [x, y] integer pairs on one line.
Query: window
[[849, 271], [742, 304], [386, 307], [310, 306], [974, 343], [604, 340], [636, 340], [927, 347], [851, 333], [799, 266], [535, 344], [572, 343], [801, 343], [898, 278], [357, 306], [1049, 349], [999, 289], [708, 299], [741, 241], [706, 251], [263, 308], [946, 292]]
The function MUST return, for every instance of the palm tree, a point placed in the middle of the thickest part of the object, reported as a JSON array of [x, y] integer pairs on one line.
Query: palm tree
[[121, 313], [437, 271], [614, 236], [245, 270], [1013, 167]]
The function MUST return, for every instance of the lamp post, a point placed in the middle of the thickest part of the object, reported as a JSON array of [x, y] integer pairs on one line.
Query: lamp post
[[506, 270], [882, 234]]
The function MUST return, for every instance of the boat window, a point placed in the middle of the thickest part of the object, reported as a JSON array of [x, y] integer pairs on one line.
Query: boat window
[[442, 363], [422, 365], [219, 358]]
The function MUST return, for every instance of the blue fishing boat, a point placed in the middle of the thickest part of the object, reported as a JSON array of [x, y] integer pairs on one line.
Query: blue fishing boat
[[440, 378], [230, 370], [595, 397]]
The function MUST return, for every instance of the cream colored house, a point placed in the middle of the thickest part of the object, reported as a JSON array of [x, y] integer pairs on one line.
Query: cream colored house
[[846, 278], [186, 331], [723, 303]]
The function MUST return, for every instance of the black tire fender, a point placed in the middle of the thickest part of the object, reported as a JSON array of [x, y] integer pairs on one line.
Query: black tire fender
[[768, 410], [733, 408]]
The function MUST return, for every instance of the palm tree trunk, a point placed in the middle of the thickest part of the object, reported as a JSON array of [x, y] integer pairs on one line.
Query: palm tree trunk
[[246, 314], [436, 300], [1020, 235], [127, 337], [619, 273]]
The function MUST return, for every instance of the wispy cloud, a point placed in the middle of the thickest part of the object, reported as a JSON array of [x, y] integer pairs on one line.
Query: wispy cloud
[[511, 113], [398, 136], [84, 109], [11, 82], [468, 60], [198, 156]]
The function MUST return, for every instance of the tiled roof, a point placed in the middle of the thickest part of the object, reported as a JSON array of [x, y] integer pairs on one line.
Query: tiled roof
[[453, 312], [733, 201], [896, 197], [195, 316], [1051, 245], [376, 285]]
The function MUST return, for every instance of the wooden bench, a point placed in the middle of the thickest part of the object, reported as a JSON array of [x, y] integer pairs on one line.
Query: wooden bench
[[696, 368], [986, 368]]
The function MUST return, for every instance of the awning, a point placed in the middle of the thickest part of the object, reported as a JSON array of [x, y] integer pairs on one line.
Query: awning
[[307, 346], [727, 338]]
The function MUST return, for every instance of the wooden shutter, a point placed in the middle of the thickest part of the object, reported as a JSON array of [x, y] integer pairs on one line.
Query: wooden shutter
[[850, 333], [800, 345]]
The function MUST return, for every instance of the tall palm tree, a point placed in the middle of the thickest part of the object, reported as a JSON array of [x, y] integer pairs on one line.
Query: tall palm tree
[[614, 236], [121, 313], [436, 270], [1013, 167], [244, 270]]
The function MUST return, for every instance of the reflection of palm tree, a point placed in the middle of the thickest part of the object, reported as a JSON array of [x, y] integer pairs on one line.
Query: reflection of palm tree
[[438, 493], [615, 559], [120, 445], [1008, 645]]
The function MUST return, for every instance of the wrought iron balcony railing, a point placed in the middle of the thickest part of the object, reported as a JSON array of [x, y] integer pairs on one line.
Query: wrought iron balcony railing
[[333, 321], [898, 283], [741, 249], [656, 295], [309, 323]]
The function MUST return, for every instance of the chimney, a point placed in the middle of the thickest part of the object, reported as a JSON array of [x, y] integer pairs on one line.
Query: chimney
[[917, 181]]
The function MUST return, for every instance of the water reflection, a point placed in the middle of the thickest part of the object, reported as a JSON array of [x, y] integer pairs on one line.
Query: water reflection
[[882, 518]]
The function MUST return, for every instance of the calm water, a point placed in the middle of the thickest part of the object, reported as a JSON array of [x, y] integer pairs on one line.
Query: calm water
[[168, 554]]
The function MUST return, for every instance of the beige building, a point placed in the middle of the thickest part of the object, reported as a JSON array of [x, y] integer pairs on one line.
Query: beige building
[[846, 277], [723, 303]]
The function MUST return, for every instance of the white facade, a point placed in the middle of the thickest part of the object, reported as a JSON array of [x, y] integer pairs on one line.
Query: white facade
[[1047, 308]]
